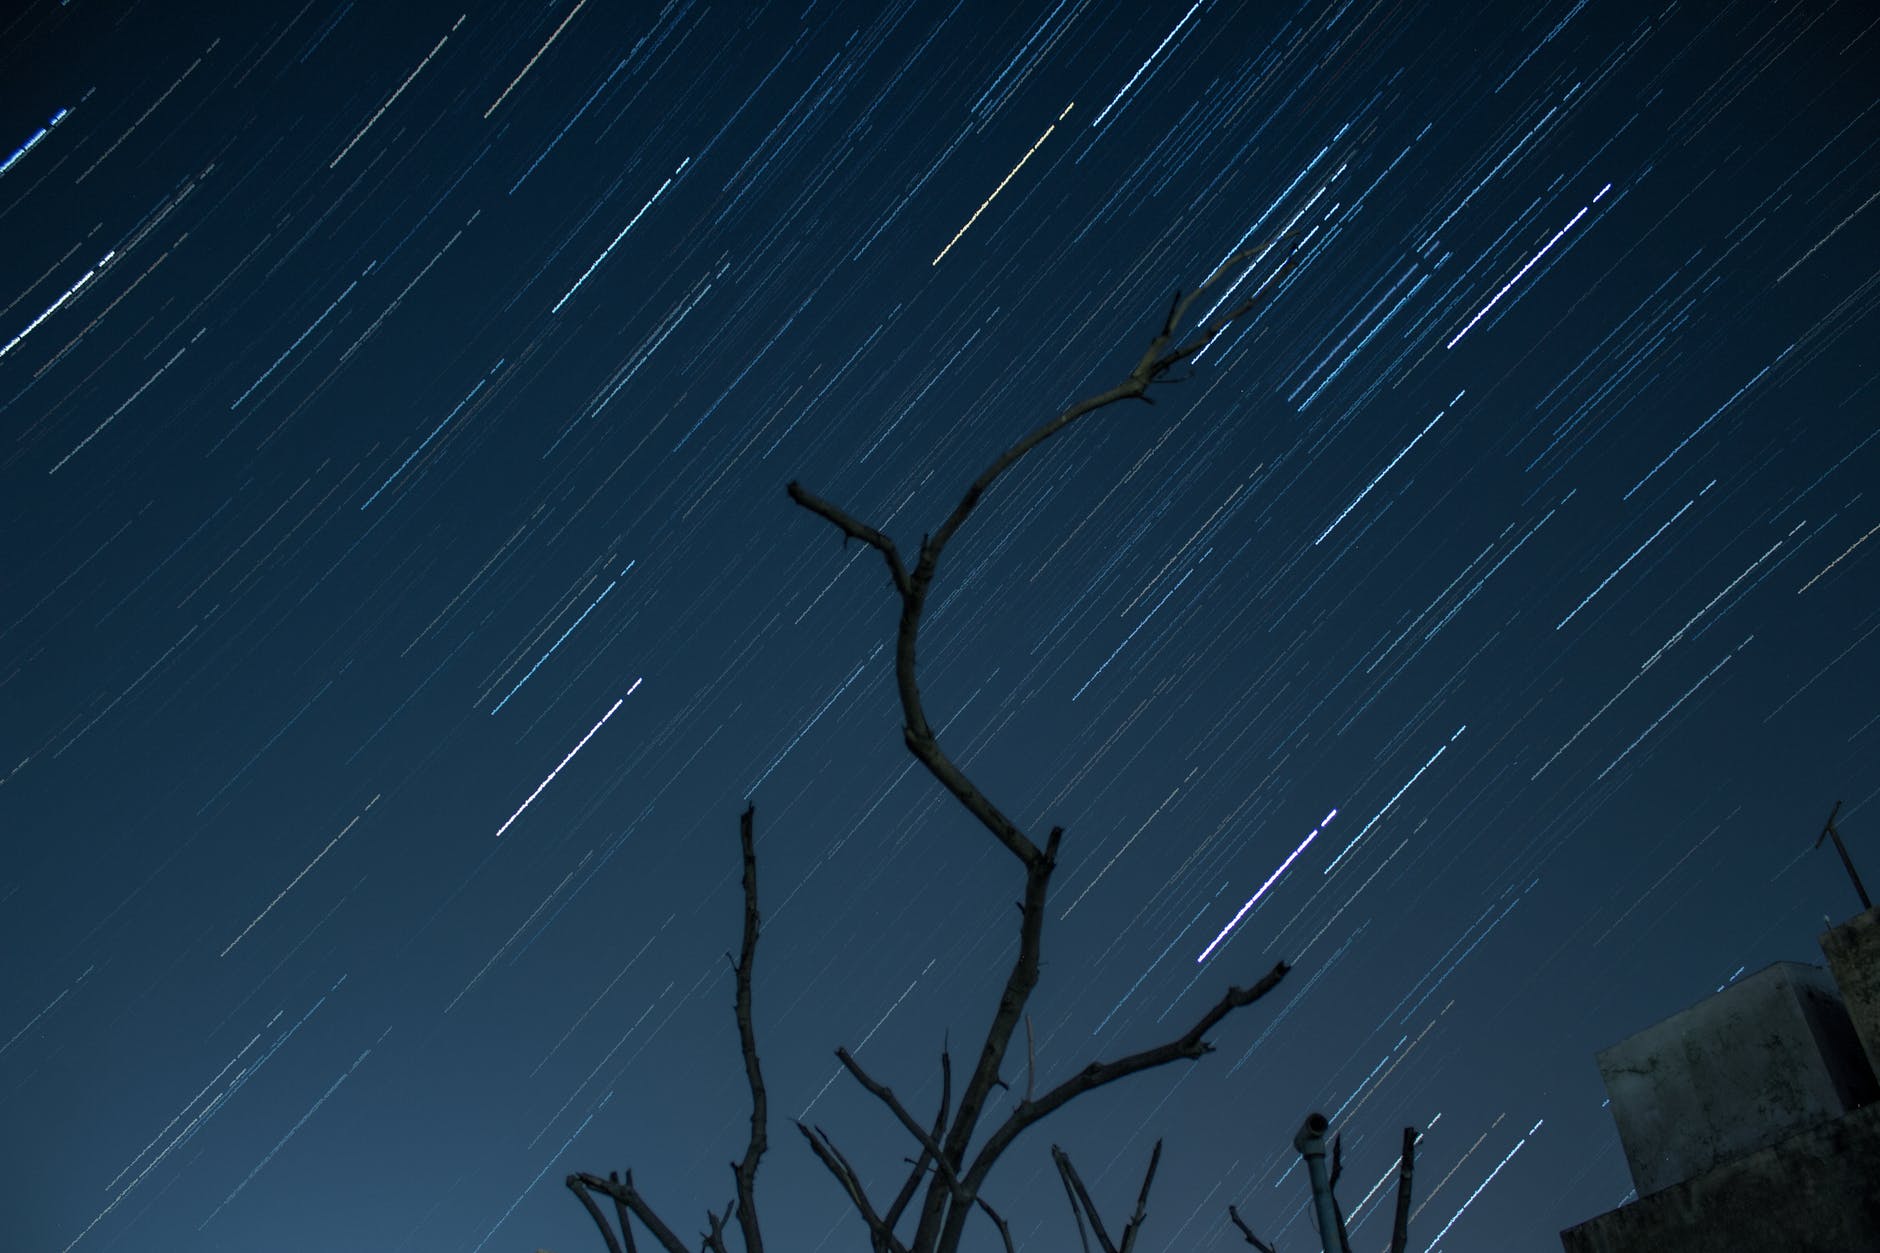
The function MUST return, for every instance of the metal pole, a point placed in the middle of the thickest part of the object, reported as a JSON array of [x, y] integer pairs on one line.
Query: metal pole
[[1828, 831], [1311, 1145]]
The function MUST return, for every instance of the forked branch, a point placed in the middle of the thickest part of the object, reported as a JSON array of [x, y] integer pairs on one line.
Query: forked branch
[[1082, 1206]]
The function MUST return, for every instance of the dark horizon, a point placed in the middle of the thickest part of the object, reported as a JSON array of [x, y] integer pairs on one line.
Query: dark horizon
[[404, 601]]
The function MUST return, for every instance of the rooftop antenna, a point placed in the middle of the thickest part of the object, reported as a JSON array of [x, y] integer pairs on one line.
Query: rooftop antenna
[[1828, 830]]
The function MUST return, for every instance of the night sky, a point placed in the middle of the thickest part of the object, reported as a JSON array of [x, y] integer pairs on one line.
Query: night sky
[[401, 599]]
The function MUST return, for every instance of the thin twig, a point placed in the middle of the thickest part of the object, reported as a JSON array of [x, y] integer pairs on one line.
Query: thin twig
[[929, 1151], [886, 1095], [1080, 1199], [1252, 1239], [714, 1240], [1005, 1232], [1134, 1225], [826, 1151], [1065, 1174]]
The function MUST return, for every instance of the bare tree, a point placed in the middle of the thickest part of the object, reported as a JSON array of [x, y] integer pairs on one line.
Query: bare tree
[[955, 1158]]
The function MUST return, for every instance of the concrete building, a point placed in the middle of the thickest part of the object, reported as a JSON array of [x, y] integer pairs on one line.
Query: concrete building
[[1751, 1120]]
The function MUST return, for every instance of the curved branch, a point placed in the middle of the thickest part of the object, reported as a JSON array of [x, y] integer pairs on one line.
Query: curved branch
[[1156, 361]]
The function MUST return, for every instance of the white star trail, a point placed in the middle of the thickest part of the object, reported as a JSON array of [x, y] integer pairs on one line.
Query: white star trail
[[550, 777]]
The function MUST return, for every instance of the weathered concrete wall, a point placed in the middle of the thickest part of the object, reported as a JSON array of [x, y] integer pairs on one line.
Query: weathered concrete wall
[[1815, 1192], [1853, 952], [1768, 1056]]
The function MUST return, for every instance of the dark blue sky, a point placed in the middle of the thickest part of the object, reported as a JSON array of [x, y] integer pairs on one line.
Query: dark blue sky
[[401, 597]]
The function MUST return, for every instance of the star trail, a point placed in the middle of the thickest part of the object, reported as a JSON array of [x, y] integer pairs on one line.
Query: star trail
[[402, 600]]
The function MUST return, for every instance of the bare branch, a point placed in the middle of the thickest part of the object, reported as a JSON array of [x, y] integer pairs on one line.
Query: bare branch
[[745, 1170], [714, 1240], [929, 1143], [1190, 1045], [1142, 1201], [853, 528], [1080, 1199], [1082, 1205], [1005, 1232], [1157, 359], [624, 1193], [1400, 1229], [1031, 1058], [1252, 1239], [879, 1234], [951, 1191], [1338, 1211], [929, 1147], [1068, 1175], [594, 1211], [626, 1226], [1019, 983]]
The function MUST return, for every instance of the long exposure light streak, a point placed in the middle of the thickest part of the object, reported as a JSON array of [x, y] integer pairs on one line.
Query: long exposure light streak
[[1387, 805], [1002, 182], [56, 305], [564, 761], [297, 878], [569, 294], [371, 121], [32, 140], [1386, 470], [532, 60], [1270, 881], [1837, 561], [1478, 1190], [1496, 298], [1585, 600]]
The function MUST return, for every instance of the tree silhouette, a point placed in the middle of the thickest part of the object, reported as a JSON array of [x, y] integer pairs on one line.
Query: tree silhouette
[[954, 1160]]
